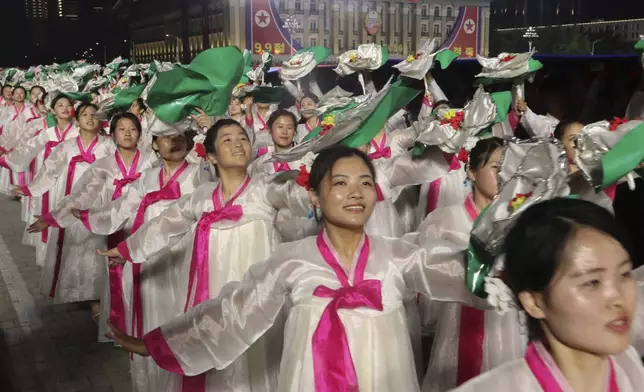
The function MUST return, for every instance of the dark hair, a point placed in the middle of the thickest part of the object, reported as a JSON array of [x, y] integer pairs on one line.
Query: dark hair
[[327, 158], [189, 135], [141, 104], [40, 87], [128, 116], [534, 247], [6, 86], [280, 113], [482, 151], [312, 97], [441, 102], [81, 108], [58, 98], [211, 135], [20, 87], [560, 129]]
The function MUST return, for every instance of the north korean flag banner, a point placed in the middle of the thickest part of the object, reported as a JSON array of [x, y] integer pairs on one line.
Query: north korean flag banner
[[465, 38], [264, 31]]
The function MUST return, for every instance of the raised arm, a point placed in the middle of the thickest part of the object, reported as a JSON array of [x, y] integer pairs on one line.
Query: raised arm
[[86, 193], [164, 231], [405, 170], [53, 167], [215, 333], [288, 195], [110, 217]]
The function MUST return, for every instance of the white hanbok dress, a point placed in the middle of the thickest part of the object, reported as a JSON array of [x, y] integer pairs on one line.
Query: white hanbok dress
[[538, 372], [147, 290], [467, 341], [12, 130], [303, 130], [73, 271], [105, 180], [345, 330], [33, 153], [229, 238]]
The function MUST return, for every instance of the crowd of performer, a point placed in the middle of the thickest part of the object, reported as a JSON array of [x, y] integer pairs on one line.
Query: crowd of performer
[[231, 242]]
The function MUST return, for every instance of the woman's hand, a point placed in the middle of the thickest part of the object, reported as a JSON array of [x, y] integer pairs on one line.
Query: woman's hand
[[202, 119], [114, 257], [522, 106], [37, 226], [18, 191], [129, 343]]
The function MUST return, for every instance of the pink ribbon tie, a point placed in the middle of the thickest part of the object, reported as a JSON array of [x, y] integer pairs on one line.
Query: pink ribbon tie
[[281, 167], [122, 183], [332, 362], [381, 153]]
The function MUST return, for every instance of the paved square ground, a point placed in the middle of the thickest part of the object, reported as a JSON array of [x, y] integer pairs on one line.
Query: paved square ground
[[46, 347]]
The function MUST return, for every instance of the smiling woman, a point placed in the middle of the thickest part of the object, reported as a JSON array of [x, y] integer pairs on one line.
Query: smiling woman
[[347, 321]]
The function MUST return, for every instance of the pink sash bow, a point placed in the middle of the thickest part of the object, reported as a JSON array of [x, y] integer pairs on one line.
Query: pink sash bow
[[381, 151], [332, 362], [199, 264], [170, 191], [128, 176], [281, 167]]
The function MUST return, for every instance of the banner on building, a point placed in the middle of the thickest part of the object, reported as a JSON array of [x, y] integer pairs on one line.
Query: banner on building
[[265, 29], [466, 36]]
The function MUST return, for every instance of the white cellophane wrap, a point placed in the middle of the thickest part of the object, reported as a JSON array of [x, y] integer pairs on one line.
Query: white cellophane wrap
[[478, 114], [367, 57], [260, 201], [158, 127], [33, 149], [112, 66], [346, 122], [257, 73], [160, 274], [95, 83], [495, 67], [61, 82], [82, 273], [418, 68], [533, 166], [503, 339], [135, 69], [79, 73], [593, 142], [300, 65], [216, 333], [517, 375]]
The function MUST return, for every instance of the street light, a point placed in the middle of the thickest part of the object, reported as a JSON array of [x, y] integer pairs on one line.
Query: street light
[[178, 43], [531, 35], [292, 25]]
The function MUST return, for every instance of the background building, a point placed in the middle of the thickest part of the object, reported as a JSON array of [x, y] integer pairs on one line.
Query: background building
[[181, 29]]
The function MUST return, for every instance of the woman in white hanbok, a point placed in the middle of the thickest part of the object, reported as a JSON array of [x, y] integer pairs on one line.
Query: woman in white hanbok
[[235, 230], [467, 341], [311, 121], [15, 124], [31, 155], [73, 272], [346, 328], [282, 128], [105, 180], [568, 265], [145, 297], [7, 96]]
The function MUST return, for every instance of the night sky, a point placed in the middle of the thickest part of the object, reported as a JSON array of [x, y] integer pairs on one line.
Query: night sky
[[18, 41]]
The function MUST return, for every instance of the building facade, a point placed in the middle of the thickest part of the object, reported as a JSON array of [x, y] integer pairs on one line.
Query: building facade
[[261, 25]]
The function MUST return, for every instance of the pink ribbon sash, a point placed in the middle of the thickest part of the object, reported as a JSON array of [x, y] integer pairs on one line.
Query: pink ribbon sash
[[310, 128], [170, 191], [380, 150], [129, 176], [49, 147], [199, 264], [85, 156], [332, 362], [433, 194], [548, 374], [263, 122], [471, 328], [281, 167]]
